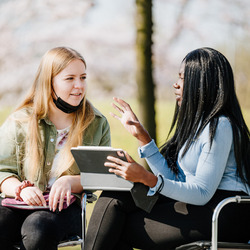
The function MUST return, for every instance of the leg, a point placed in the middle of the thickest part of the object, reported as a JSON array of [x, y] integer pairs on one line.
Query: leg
[[116, 222], [44, 229], [10, 227], [170, 224], [107, 221]]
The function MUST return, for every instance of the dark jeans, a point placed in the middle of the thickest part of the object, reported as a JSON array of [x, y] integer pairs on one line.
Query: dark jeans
[[37, 230], [116, 223]]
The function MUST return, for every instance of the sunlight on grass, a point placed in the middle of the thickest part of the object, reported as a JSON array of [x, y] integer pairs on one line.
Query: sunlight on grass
[[4, 113]]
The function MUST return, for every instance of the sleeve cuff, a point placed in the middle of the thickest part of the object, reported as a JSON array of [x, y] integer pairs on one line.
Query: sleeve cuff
[[148, 149], [157, 188]]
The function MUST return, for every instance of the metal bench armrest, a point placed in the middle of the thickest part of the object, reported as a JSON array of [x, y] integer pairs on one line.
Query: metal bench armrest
[[236, 199]]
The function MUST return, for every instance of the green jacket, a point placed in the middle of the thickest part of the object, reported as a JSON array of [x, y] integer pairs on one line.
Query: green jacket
[[12, 145]]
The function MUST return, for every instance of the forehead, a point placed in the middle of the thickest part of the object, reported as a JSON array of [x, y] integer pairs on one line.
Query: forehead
[[74, 67], [182, 68]]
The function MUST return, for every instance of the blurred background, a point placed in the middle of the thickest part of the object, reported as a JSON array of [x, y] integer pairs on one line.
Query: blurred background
[[103, 31]]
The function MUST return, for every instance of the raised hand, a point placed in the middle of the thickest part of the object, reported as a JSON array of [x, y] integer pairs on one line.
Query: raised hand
[[130, 121]]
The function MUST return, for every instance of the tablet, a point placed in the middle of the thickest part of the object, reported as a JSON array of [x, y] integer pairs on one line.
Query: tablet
[[94, 175]]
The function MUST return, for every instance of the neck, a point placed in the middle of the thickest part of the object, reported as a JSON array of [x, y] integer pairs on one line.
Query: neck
[[60, 119]]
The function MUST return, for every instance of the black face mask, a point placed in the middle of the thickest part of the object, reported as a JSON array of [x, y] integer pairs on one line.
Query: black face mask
[[64, 106]]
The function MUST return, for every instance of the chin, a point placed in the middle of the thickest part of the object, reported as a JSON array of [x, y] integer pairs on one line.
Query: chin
[[75, 102]]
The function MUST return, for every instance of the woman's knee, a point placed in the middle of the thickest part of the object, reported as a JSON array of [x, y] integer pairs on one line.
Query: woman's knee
[[39, 231], [123, 200]]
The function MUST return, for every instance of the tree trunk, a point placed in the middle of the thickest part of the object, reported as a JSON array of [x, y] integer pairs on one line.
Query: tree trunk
[[144, 78]]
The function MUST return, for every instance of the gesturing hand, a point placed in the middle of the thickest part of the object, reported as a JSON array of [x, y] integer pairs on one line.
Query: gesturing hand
[[130, 121]]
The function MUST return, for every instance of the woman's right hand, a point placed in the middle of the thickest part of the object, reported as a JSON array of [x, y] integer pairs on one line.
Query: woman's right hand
[[130, 121], [130, 170], [33, 196]]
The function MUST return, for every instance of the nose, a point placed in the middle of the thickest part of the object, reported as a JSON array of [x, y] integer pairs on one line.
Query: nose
[[78, 84]]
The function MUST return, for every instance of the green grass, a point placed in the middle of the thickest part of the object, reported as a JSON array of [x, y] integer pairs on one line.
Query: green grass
[[122, 139], [4, 113]]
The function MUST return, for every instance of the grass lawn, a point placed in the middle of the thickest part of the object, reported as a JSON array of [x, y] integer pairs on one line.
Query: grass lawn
[[121, 138]]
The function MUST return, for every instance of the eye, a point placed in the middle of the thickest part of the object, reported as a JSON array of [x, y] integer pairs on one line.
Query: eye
[[69, 78], [83, 77], [181, 77]]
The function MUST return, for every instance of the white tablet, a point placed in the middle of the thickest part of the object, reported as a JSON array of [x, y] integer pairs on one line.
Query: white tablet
[[94, 175]]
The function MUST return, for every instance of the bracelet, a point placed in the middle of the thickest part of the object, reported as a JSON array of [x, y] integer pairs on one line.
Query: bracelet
[[161, 185], [19, 188]]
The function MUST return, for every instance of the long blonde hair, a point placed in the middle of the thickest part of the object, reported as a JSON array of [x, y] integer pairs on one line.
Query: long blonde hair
[[38, 99]]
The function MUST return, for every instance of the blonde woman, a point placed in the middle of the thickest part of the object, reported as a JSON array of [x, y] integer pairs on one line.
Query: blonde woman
[[35, 155]]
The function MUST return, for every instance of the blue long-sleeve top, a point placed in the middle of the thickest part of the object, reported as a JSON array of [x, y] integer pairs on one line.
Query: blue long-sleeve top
[[202, 170]]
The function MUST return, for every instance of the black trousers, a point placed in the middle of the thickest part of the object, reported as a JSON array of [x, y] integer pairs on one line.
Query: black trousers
[[116, 223], [41, 229]]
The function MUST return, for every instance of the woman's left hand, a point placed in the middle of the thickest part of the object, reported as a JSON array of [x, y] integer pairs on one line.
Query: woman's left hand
[[130, 121], [59, 190], [130, 170]]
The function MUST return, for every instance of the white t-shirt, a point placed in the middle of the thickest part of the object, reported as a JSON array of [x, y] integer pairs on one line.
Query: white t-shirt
[[62, 136]]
